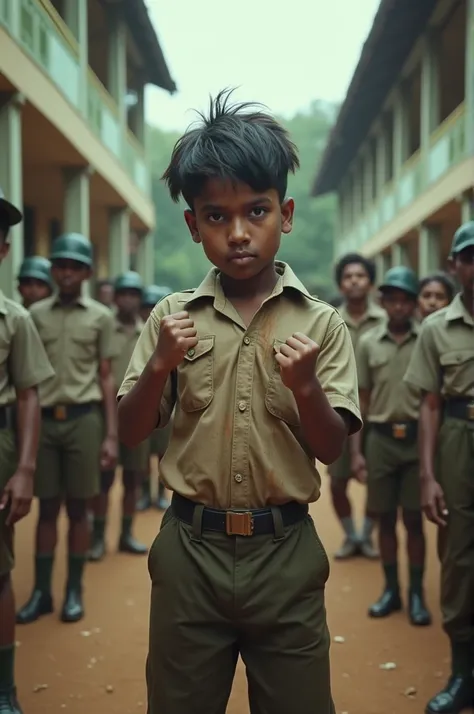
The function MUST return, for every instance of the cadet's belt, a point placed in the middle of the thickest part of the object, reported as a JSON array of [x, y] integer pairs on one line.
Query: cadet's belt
[[460, 408], [6, 421], [238, 521], [67, 412], [400, 430]]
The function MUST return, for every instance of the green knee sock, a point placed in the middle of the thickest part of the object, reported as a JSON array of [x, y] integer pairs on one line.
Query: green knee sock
[[75, 571], [126, 526], [461, 658], [416, 578], [43, 572], [349, 528], [7, 666], [391, 576], [98, 529]]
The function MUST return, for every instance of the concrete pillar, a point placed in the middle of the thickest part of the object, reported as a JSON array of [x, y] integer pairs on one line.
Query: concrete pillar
[[469, 90], [76, 18], [399, 133], [146, 258], [381, 158], [429, 103], [382, 264], [77, 206], [400, 255], [429, 250], [117, 63], [467, 207], [119, 241], [11, 181], [138, 115]]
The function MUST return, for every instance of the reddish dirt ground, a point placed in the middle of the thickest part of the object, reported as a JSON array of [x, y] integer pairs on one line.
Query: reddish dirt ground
[[97, 665]]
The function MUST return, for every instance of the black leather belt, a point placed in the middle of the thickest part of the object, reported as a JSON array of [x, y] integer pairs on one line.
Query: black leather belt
[[460, 408], [238, 521], [66, 412], [400, 430]]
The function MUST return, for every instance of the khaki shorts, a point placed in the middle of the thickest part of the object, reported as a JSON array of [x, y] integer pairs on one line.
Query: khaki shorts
[[8, 460], [69, 457], [393, 479], [135, 459], [159, 440], [340, 470]]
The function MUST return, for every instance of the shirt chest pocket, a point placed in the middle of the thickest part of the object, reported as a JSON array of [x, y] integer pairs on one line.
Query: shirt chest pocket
[[83, 343], [379, 368], [458, 370], [196, 376], [279, 400]]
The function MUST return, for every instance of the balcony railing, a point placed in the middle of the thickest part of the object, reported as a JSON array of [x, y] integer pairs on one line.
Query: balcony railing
[[42, 33]]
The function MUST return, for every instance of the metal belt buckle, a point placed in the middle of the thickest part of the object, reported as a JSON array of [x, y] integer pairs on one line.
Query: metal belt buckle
[[470, 411], [60, 413], [239, 523], [399, 431]]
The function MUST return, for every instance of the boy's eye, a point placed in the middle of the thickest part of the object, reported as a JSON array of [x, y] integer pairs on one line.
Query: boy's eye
[[214, 217], [258, 211]]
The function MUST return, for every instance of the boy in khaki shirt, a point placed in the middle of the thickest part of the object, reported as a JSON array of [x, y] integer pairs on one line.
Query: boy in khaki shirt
[[442, 366], [23, 366], [391, 464], [266, 384]]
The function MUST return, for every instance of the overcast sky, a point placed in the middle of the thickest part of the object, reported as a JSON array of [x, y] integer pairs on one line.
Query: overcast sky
[[284, 54]]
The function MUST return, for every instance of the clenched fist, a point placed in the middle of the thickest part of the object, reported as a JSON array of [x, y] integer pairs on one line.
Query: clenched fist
[[177, 335], [297, 360]]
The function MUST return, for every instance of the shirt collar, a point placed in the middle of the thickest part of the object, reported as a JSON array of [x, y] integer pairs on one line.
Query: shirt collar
[[382, 331], [81, 301], [373, 312], [3, 304], [457, 311]]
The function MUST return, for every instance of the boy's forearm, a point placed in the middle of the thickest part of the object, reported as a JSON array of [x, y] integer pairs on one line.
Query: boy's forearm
[[28, 424], [139, 409], [323, 428]]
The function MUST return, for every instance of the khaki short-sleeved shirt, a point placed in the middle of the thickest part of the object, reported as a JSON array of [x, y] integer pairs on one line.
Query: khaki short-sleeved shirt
[[443, 359], [373, 317], [76, 338], [236, 439], [23, 360], [381, 366], [124, 341]]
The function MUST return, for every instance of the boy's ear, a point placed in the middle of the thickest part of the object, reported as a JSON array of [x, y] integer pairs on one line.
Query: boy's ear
[[190, 218], [287, 212]]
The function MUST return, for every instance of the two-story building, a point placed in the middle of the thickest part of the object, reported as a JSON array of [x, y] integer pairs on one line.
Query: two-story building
[[72, 126], [401, 154]]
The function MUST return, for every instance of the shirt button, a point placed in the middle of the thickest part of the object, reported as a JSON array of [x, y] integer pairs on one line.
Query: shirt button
[[242, 406], [239, 478], [191, 352], [247, 340]]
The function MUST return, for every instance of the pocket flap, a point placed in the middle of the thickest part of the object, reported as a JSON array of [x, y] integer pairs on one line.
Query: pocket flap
[[378, 360], [456, 357], [205, 345], [84, 334]]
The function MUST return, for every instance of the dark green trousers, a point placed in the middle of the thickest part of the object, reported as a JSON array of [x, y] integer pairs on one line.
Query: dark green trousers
[[215, 597], [456, 477]]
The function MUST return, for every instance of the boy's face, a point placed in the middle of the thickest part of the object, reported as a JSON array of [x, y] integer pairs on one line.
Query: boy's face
[[33, 290], [463, 267], [128, 302], [399, 306], [433, 296], [355, 282], [69, 275], [105, 295], [240, 230]]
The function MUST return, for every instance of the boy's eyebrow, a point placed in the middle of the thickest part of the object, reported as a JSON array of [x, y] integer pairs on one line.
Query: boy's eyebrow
[[253, 202]]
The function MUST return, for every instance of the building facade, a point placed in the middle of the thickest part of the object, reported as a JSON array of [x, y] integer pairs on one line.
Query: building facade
[[401, 154], [72, 127]]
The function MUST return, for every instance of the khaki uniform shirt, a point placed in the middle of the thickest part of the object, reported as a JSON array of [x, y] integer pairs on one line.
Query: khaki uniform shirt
[[443, 359], [373, 317], [124, 340], [381, 366], [23, 360], [237, 440], [76, 338]]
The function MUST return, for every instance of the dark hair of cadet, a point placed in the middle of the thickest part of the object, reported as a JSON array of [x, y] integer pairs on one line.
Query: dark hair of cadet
[[106, 283], [4, 225], [443, 279], [351, 259], [238, 142]]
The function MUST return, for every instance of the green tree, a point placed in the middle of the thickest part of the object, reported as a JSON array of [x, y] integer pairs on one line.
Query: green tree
[[308, 249]]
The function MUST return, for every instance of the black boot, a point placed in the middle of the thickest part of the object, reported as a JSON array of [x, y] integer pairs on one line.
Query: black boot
[[458, 694], [40, 602], [162, 502], [389, 602], [418, 613], [144, 500], [9, 702], [73, 609], [127, 543], [97, 549]]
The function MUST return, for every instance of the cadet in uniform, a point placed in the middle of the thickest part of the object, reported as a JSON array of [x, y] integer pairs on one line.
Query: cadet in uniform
[[105, 292], [390, 409], [355, 276], [128, 290], [266, 385], [34, 280], [77, 333], [160, 438], [23, 366], [436, 292], [442, 365]]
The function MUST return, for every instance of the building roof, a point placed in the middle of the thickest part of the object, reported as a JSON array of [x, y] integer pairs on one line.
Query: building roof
[[396, 28], [139, 21]]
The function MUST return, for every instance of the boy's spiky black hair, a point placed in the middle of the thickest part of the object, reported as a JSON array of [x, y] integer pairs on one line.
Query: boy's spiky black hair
[[239, 142], [351, 259]]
